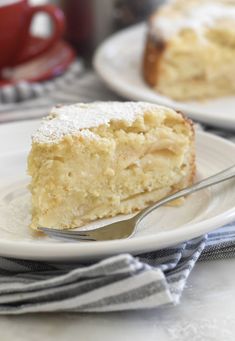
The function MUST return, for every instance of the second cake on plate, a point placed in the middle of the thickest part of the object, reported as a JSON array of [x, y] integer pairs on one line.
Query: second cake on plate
[[190, 49]]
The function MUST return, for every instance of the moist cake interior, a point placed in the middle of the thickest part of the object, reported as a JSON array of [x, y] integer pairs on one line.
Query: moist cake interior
[[86, 167]]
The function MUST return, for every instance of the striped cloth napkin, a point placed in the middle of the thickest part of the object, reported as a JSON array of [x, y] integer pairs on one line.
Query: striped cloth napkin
[[118, 283]]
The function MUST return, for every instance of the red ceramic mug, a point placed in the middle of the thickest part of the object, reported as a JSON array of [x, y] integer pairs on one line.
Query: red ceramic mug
[[15, 19]]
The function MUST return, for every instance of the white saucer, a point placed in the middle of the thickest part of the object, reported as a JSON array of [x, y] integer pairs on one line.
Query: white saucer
[[167, 226], [118, 62]]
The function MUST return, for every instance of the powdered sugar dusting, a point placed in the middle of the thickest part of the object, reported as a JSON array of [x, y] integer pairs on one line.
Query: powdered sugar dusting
[[76, 119], [198, 16]]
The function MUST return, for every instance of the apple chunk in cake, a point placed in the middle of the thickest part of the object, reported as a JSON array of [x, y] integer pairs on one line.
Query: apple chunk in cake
[[90, 161]]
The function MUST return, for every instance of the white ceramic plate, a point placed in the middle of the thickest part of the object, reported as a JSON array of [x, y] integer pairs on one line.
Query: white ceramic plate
[[118, 62], [167, 226]]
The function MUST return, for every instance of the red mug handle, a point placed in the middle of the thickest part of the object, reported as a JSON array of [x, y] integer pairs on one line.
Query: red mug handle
[[28, 51]]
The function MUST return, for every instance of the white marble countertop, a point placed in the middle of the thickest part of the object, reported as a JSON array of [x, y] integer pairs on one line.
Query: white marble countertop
[[206, 313]]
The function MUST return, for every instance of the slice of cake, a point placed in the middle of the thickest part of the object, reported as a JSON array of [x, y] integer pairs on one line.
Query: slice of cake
[[190, 49], [97, 160]]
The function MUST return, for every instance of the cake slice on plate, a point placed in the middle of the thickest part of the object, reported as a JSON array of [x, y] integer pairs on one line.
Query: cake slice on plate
[[90, 161], [190, 49]]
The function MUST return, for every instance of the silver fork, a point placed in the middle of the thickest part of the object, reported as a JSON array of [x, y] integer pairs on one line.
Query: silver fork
[[126, 228]]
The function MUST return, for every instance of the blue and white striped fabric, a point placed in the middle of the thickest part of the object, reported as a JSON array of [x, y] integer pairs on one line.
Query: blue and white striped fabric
[[75, 85], [24, 91], [118, 283]]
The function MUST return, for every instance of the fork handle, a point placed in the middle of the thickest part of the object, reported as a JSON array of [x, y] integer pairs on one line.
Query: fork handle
[[210, 181]]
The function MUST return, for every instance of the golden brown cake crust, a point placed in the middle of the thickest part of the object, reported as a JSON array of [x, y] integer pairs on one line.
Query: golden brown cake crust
[[152, 59]]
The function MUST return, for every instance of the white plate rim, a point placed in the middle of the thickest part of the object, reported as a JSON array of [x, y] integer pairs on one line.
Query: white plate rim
[[121, 87], [31, 250]]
